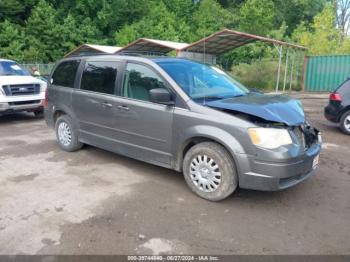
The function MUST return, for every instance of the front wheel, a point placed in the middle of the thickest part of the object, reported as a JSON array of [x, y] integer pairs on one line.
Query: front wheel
[[345, 123], [67, 134], [210, 171]]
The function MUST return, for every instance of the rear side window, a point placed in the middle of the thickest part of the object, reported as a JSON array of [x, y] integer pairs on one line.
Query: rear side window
[[344, 89], [99, 77], [64, 74]]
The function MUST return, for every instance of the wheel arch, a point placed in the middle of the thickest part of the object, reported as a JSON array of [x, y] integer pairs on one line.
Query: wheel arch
[[345, 109], [213, 134], [64, 110]]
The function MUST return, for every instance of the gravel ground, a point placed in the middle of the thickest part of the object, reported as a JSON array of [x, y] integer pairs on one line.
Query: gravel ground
[[96, 202]]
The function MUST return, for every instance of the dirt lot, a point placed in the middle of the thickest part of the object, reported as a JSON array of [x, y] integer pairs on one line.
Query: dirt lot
[[96, 202]]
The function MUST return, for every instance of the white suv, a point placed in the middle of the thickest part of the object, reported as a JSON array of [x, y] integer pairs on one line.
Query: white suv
[[19, 91]]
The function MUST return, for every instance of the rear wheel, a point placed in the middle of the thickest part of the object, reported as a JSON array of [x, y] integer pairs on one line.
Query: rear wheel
[[67, 134], [345, 123], [210, 171]]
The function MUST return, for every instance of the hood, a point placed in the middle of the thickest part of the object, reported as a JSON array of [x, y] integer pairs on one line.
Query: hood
[[18, 80], [275, 108]]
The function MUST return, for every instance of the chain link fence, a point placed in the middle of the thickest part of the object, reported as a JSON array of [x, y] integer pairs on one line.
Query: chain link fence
[[44, 69]]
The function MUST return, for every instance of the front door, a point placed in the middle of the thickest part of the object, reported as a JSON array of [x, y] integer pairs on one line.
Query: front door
[[146, 127]]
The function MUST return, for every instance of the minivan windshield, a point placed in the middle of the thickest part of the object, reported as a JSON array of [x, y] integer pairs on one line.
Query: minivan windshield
[[201, 81], [10, 68]]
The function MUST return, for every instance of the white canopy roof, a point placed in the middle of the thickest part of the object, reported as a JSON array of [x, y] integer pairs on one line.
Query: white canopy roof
[[89, 48], [152, 45]]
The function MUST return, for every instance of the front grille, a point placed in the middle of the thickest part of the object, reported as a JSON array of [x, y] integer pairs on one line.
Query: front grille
[[24, 103], [24, 89]]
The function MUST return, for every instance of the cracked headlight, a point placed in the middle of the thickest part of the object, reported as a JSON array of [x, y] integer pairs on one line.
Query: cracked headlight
[[269, 138]]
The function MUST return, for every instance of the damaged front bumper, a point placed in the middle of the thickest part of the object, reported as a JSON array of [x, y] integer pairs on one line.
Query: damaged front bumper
[[277, 175]]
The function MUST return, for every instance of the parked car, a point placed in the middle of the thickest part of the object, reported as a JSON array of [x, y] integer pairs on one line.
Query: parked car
[[338, 109], [19, 91], [183, 115]]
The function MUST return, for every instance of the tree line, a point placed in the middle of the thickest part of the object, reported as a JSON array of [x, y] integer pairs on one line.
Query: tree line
[[44, 30]]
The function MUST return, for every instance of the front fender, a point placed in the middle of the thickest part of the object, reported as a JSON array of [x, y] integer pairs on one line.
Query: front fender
[[207, 132]]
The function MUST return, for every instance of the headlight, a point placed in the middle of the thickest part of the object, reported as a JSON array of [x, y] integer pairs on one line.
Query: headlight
[[269, 138]]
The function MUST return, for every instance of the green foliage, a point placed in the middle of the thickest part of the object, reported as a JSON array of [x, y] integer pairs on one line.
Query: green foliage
[[42, 34], [293, 12], [210, 17], [257, 16], [11, 41], [16, 10], [159, 23], [323, 38], [261, 74], [44, 30], [10, 8]]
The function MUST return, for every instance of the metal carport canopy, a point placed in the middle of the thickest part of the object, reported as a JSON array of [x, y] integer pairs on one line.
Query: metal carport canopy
[[89, 48], [226, 40], [152, 46]]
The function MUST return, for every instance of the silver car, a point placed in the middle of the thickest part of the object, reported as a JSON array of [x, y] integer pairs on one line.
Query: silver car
[[183, 115]]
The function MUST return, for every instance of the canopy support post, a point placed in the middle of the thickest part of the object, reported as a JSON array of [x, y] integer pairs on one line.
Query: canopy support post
[[291, 73], [286, 71], [280, 52]]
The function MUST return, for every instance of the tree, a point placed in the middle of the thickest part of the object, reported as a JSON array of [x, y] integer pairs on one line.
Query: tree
[[342, 9], [9, 8], [257, 16], [210, 17], [44, 30], [74, 33], [16, 11], [11, 41], [324, 37], [293, 12], [42, 34], [107, 15], [159, 23]]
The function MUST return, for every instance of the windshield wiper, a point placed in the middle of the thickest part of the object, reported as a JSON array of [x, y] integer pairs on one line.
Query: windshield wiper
[[219, 97], [212, 97]]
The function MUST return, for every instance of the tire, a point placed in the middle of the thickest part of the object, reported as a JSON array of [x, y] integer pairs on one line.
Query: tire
[[345, 123], [39, 113], [67, 134], [203, 179]]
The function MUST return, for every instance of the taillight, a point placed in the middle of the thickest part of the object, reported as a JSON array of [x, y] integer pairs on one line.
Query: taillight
[[46, 101], [335, 97]]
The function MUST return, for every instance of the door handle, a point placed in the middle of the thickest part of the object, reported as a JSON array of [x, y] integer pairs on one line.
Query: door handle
[[123, 107], [105, 104]]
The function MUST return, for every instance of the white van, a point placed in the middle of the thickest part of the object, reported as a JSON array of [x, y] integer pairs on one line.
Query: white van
[[19, 91]]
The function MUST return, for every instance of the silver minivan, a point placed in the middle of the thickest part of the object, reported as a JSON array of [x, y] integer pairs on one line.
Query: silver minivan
[[183, 115]]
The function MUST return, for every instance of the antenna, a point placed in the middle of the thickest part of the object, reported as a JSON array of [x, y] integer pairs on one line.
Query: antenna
[[204, 101]]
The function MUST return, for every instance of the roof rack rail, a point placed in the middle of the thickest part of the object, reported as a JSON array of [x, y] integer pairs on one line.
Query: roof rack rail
[[90, 54], [141, 53]]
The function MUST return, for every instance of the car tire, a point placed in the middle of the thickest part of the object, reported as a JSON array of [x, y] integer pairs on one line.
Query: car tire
[[67, 134], [210, 171], [345, 123], [39, 114]]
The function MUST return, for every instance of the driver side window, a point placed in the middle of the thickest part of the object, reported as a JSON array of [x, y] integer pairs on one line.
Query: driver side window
[[139, 80]]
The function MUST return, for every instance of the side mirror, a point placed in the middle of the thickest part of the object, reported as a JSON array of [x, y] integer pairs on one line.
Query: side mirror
[[161, 96]]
